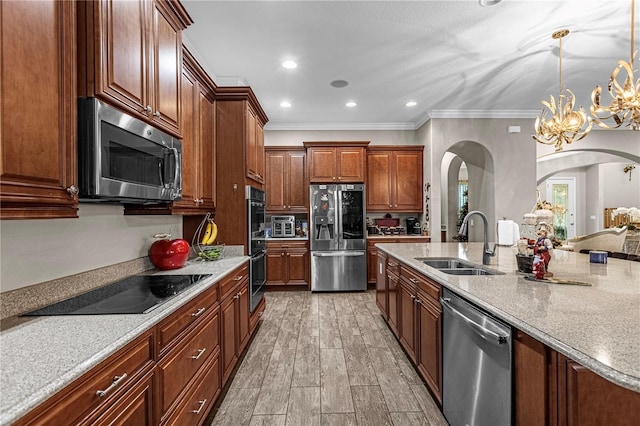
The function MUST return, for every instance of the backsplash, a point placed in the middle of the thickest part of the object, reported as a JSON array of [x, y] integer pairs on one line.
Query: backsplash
[[37, 251]]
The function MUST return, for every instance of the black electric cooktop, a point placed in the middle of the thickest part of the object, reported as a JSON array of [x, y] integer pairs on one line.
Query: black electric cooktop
[[137, 294]]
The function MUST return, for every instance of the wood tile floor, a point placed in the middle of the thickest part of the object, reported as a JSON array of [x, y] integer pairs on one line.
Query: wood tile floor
[[325, 359]]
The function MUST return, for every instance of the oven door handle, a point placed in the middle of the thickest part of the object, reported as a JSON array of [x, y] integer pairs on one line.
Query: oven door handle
[[339, 254], [485, 333], [260, 254]]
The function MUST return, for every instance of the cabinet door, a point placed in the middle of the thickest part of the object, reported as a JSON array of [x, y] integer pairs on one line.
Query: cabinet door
[[206, 143], [252, 144], [167, 63], [190, 145], [277, 184], [298, 261], [407, 181], [124, 55], [350, 164], [228, 336], [379, 182], [394, 302], [382, 288], [531, 378], [407, 319], [276, 266], [297, 182], [322, 165], [372, 264], [592, 400], [39, 114], [259, 152], [242, 302], [429, 343]]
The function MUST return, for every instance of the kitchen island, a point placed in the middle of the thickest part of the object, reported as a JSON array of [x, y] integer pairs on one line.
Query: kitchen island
[[597, 326], [40, 356], [575, 345]]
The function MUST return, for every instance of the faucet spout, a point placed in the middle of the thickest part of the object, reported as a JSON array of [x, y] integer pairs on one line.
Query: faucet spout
[[486, 253]]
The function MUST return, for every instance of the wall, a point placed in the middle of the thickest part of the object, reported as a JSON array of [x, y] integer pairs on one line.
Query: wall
[[35, 251], [376, 137]]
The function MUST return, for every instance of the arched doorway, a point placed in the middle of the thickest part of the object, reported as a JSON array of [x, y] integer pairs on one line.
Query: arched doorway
[[475, 161]]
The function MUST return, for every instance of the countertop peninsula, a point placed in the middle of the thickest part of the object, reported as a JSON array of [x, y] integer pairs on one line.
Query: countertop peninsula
[[597, 325], [42, 355]]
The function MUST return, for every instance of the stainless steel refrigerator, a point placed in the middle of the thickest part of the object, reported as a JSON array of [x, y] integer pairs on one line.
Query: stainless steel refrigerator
[[337, 237]]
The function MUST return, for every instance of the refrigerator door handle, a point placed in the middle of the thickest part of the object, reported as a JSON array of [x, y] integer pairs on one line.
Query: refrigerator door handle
[[338, 254]]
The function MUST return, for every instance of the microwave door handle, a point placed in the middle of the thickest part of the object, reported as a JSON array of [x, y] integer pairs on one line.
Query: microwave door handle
[[176, 178], [160, 172]]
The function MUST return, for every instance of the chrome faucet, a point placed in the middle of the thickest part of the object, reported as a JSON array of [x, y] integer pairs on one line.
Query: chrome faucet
[[486, 253]]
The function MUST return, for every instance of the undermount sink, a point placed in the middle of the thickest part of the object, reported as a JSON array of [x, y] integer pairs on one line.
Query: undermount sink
[[455, 266]]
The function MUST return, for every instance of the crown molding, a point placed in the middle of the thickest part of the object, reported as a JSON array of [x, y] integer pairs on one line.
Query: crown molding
[[340, 126], [478, 113]]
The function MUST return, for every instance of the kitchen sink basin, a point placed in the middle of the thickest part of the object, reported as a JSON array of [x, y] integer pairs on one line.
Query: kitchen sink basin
[[455, 266]]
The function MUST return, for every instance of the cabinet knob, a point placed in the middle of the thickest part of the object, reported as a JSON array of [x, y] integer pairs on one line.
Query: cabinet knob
[[147, 110], [390, 205], [339, 177], [413, 297], [73, 190], [156, 114]]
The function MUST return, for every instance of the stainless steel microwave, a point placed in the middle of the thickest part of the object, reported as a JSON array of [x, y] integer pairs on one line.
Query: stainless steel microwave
[[123, 159]]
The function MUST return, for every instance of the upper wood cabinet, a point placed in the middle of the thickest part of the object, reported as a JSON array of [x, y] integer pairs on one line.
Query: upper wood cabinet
[[198, 141], [38, 166], [336, 162], [255, 146], [286, 184], [130, 55], [394, 178]]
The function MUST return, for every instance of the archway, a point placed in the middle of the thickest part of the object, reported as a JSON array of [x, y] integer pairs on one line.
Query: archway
[[481, 186]]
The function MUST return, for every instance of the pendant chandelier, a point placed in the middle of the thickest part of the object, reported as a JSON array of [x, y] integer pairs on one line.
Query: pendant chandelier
[[624, 109], [565, 125]]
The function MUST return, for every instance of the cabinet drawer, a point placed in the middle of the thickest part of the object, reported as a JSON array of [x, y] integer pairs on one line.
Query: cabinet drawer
[[286, 245], [228, 283], [196, 309], [429, 287], [197, 403], [109, 380], [181, 364], [393, 266]]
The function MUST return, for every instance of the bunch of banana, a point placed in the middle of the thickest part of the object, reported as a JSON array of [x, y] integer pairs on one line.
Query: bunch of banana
[[210, 234]]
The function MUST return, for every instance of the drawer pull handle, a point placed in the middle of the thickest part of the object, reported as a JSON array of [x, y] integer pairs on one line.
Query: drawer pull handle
[[116, 381], [202, 404], [198, 312], [393, 265], [413, 280], [200, 352], [238, 278]]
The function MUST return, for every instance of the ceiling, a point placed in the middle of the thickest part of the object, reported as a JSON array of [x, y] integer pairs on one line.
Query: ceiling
[[454, 58]]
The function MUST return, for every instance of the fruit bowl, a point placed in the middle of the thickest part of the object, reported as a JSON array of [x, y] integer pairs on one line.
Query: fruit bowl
[[204, 239], [210, 252]]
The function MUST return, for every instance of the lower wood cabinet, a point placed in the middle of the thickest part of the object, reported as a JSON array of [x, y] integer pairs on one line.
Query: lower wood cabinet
[[288, 263], [172, 374], [382, 286], [372, 251], [234, 314]]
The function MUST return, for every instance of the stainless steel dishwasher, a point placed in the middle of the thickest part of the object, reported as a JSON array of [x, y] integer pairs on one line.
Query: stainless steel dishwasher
[[476, 365]]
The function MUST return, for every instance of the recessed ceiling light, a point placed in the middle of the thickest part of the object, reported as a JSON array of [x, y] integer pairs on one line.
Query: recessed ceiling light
[[351, 104], [411, 104], [285, 104], [289, 64], [339, 83], [485, 3]]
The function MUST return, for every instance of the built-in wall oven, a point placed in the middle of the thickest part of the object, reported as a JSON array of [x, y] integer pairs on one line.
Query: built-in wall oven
[[256, 243]]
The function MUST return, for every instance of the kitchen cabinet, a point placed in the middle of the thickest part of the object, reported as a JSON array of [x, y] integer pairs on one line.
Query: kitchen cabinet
[[372, 252], [382, 286], [188, 346], [234, 314], [336, 162], [130, 55], [120, 387], [393, 294], [234, 106], [394, 178], [198, 141], [420, 326], [285, 180], [38, 166], [551, 389], [288, 263]]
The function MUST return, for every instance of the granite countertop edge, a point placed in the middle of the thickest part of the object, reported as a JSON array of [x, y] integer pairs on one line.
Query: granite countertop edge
[[614, 375], [16, 402]]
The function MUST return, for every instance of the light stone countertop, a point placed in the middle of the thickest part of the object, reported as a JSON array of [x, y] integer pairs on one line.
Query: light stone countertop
[[597, 326], [41, 356]]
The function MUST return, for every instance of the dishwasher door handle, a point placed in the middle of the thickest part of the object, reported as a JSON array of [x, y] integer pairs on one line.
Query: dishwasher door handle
[[485, 333], [339, 254]]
